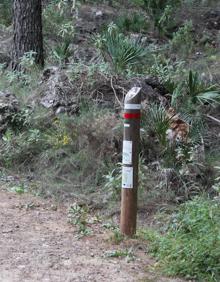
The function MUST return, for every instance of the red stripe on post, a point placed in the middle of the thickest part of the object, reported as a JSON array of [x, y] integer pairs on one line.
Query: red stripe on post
[[132, 115]]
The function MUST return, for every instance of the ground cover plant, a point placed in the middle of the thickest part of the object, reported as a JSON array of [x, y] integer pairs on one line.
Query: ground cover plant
[[191, 244]]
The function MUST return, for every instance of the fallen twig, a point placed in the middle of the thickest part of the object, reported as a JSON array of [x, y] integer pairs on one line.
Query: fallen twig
[[116, 97], [213, 118]]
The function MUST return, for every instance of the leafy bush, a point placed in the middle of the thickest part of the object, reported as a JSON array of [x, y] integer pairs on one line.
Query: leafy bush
[[133, 23], [182, 41], [78, 216], [191, 245], [59, 22], [26, 75], [167, 71], [161, 11], [121, 52], [77, 151], [58, 19]]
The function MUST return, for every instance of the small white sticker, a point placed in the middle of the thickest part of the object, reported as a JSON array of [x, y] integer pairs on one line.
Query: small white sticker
[[126, 125], [127, 152], [127, 177]]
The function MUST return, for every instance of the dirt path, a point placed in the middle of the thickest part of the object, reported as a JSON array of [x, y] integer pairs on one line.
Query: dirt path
[[37, 244]]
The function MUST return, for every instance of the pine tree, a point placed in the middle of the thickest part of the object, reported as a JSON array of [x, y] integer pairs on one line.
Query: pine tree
[[27, 30]]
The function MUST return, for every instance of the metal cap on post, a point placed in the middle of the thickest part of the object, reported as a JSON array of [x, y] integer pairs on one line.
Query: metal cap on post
[[131, 140]]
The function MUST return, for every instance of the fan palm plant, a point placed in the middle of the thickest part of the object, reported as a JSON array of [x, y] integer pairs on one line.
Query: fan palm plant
[[200, 92], [121, 52], [158, 122]]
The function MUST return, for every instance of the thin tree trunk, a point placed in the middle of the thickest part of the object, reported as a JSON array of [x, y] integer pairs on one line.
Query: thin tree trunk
[[27, 25]]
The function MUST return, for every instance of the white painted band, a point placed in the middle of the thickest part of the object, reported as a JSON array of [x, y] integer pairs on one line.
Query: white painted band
[[132, 106], [126, 125]]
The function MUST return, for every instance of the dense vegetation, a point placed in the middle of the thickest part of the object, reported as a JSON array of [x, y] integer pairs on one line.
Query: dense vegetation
[[191, 245], [62, 133]]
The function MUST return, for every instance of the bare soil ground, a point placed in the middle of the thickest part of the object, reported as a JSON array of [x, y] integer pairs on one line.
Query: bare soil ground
[[38, 244]]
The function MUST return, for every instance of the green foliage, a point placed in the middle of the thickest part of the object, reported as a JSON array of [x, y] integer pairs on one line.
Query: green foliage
[[165, 21], [76, 151], [161, 12], [117, 236], [132, 23], [182, 41], [121, 52], [113, 180], [193, 92], [26, 75], [58, 19], [128, 254], [216, 186], [158, 122], [19, 189], [28, 61], [18, 148], [157, 5], [78, 216], [167, 71], [191, 245], [59, 22], [62, 52], [5, 12], [200, 92]]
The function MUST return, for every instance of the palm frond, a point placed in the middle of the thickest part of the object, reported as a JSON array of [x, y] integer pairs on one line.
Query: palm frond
[[209, 97], [158, 122], [119, 50], [200, 92]]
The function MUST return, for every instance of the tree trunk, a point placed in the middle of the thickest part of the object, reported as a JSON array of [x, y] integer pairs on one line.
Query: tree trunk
[[27, 25]]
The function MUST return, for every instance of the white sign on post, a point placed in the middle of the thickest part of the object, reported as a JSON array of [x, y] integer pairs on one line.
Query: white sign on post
[[127, 177], [127, 152]]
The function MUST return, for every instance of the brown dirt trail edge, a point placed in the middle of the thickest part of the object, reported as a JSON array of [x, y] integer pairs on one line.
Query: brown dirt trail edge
[[37, 244]]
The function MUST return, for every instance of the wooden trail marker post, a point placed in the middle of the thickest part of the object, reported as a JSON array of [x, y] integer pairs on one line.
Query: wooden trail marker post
[[131, 140]]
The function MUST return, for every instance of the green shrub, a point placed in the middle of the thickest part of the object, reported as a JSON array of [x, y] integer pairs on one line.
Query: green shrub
[[67, 154], [161, 12], [194, 92], [59, 23], [133, 23], [191, 246], [167, 71], [182, 41]]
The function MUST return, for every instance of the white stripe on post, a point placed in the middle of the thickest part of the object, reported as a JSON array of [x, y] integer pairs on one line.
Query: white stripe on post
[[132, 106]]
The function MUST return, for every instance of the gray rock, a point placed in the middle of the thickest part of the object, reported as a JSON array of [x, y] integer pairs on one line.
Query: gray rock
[[58, 93], [8, 107]]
